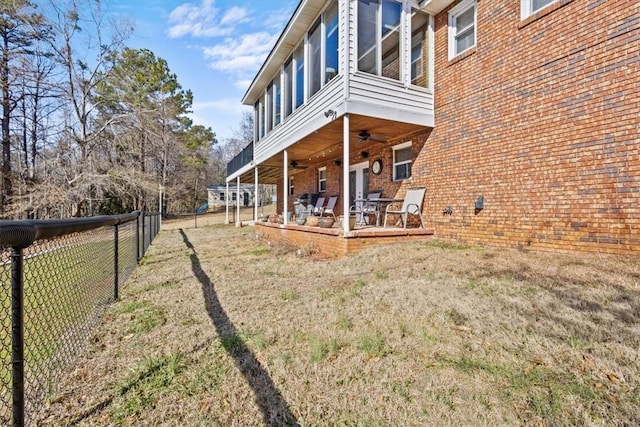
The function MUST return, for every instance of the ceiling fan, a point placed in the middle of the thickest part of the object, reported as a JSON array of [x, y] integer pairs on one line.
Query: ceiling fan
[[364, 135], [293, 164]]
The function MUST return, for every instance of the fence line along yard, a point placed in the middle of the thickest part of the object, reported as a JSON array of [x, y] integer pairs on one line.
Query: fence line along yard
[[56, 277]]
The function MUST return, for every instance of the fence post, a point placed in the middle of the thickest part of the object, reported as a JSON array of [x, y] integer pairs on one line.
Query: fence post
[[115, 263], [137, 252], [17, 335], [144, 236]]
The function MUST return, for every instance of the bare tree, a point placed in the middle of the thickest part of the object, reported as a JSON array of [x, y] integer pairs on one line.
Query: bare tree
[[20, 27], [83, 55]]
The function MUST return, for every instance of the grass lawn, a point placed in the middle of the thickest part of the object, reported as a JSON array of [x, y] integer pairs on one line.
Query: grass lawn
[[216, 328]]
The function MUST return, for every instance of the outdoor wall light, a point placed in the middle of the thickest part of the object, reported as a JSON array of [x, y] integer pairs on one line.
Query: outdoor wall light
[[330, 113], [364, 154], [337, 162], [479, 203]]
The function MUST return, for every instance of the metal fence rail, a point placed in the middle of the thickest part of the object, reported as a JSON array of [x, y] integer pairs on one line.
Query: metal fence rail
[[56, 278]]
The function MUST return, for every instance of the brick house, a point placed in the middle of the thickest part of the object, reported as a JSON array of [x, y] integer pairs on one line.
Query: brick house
[[521, 118]]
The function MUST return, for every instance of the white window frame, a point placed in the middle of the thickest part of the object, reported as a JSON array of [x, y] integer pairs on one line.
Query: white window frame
[[453, 15], [221, 196], [322, 179], [526, 8], [410, 161], [291, 189]]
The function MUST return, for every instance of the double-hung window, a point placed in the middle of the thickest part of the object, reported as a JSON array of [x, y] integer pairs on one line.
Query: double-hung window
[[322, 179], [402, 156], [529, 7], [291, 189], [462, 28], [222, 195]]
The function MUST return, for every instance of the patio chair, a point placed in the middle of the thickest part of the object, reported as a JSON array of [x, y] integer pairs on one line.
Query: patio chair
[[412, 205], [317, 208], [368, 208], [329, 209]]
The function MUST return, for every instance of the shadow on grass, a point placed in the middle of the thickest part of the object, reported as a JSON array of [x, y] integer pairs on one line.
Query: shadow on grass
[[275, 410]]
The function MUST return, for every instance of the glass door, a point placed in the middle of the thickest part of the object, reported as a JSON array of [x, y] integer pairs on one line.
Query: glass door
[[358, 182]]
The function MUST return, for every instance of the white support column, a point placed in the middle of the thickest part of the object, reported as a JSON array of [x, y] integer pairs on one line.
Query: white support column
[[256, 196], [345, 173], [285, 187], [226, 202], [238, 222]]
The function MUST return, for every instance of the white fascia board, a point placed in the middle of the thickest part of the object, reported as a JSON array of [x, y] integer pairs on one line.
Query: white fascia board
[[433, 7]]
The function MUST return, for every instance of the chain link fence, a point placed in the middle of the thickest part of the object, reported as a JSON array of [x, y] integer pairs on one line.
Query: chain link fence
[[55, 284]]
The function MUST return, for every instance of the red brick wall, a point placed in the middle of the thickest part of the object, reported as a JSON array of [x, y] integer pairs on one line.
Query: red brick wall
[[542, 119]]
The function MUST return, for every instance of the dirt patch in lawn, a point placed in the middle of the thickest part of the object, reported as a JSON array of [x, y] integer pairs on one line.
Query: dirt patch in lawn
[[217, 328]]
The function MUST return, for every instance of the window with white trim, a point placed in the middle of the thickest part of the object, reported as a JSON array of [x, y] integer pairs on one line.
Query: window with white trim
[[277, 106], [315, 57], [331, 42], [529, 7], [402, 158], [298, 57], [269, 107], [291, 190], [288, 87], [416, 57], [322, 179], [419, 48], [462, 28], [379, 26], [222, 194], [234, 196]]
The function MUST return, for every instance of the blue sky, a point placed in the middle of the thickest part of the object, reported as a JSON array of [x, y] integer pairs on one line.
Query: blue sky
[[215, 47]]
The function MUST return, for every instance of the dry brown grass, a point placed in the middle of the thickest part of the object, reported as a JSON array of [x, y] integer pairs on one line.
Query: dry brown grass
[[218, 328]]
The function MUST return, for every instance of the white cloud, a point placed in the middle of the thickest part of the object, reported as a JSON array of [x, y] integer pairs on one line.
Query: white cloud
[[235, 15], [243, 56], [277, 19], [202, 20]]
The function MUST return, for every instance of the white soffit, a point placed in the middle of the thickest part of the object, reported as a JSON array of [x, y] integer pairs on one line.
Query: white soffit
[[433, 7]]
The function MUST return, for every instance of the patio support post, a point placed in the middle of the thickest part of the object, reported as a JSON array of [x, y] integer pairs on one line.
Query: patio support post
[[285, 188], [345, 173], [226, 203], [255, 195], [238, 222]]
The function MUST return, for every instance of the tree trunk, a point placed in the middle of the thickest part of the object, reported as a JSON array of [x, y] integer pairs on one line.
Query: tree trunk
[[7, 187]]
